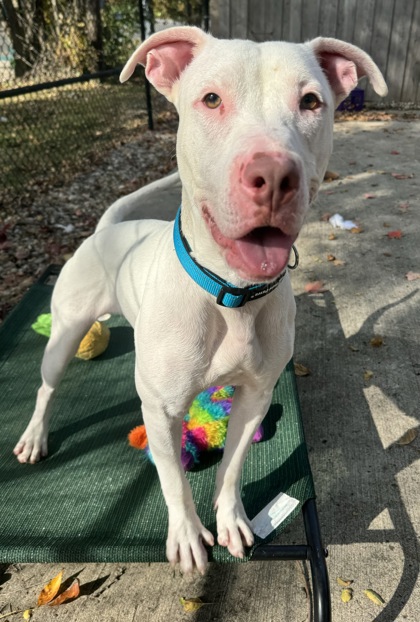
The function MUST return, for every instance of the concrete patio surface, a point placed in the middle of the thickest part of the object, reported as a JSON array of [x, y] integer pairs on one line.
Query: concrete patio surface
[[360, 339]]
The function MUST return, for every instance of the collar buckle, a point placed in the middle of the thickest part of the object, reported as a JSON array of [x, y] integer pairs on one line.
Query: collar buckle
[[243, 295]]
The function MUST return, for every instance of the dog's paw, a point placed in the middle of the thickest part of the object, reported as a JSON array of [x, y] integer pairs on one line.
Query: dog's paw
[[185, 544], [234, 530], [32, 445]]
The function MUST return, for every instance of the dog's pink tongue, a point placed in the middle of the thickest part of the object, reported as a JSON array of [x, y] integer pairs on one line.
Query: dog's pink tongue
[[264, 252]]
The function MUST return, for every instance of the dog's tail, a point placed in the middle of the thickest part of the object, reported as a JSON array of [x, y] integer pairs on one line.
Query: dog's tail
[[128, 207]]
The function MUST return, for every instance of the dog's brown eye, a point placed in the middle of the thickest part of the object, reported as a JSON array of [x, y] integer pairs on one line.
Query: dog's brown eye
[[212, 100], [310, 102]]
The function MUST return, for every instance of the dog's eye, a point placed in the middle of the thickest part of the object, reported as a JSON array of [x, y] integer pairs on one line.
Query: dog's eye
[[212, 100], [310, 102]]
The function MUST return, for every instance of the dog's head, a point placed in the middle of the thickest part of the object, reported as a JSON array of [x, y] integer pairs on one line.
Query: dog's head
[[255, 133]]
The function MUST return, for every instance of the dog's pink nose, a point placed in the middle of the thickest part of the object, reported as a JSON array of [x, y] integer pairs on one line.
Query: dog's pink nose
[[270, 180]]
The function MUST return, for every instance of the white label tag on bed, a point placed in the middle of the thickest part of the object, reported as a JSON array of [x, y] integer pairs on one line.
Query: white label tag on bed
[[273, 514]]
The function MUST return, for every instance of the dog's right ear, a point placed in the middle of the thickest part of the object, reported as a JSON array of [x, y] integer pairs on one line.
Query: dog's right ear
[[165, 56]]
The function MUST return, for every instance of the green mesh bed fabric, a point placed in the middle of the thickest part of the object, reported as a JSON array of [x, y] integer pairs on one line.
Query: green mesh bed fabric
[[95, 498]]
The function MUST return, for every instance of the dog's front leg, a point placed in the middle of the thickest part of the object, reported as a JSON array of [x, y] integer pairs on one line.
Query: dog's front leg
[[186, 534], [249, 407]]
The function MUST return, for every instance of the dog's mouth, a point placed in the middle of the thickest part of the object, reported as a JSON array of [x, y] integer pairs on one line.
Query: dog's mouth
[[262, 254]]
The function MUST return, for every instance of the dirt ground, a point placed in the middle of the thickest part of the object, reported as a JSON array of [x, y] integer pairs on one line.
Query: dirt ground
[[358, 333]]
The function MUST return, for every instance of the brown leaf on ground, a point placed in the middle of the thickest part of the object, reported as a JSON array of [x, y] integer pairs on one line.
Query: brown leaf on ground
[[408, 437], [331, 176], [346, 594], [344, 582], [356, 230], [70, 593], [365, 115], [315, 287], [302, 370], [50, 590], [330, 257], [395, 235], [192, 604], [377, 341], [374, 597], [402, 176], [412, 276], [332, 236]]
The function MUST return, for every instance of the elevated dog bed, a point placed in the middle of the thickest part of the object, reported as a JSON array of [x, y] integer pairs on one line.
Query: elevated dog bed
[[95, 498]]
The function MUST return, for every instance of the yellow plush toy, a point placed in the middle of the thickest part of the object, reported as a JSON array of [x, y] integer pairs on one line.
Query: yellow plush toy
[[94, 343]]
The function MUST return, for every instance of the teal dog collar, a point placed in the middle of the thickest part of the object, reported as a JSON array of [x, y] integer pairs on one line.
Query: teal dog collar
[[227, 295]]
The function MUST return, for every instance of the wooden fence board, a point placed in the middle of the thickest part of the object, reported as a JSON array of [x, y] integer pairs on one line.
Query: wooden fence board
[[399, 41], [411, 81], [310, 19], [239, 19], [220, 19], [346, 22], [327, 24], [362, 35], [262, 17], [295, 29]]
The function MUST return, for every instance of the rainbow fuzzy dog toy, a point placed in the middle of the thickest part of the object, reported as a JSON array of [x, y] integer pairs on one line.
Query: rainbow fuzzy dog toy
[[203, 429]]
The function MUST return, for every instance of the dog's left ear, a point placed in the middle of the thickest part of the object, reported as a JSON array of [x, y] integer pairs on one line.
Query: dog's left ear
[[344, 64], [165, 55]]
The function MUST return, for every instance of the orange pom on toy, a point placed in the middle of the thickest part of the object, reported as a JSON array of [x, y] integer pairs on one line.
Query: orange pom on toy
[[138, 438]]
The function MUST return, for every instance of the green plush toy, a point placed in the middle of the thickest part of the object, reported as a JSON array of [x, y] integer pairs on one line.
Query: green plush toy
[[94, 343]]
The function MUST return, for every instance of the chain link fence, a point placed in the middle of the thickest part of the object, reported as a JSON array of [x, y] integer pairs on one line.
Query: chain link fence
[[61, 105]]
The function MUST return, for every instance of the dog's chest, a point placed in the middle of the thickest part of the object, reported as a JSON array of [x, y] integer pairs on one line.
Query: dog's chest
[[238, 353]]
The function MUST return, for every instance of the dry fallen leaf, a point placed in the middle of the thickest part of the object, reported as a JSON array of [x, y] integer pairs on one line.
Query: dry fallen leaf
[[408, 437], [374, 597], [377, 341], [402, 176], [369, 195], [346, 594], [331, 176], [395, 235], [412, 276], [367, 375], [315, 287], [50, 590], [356, 230], [302, 370], [70, 593], [344, 582], [339, 262], [332, 236], [27, 614], [330, 257], [192, 604]]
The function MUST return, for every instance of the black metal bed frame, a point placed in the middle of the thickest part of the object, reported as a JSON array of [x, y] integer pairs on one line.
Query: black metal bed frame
[[314, 552]]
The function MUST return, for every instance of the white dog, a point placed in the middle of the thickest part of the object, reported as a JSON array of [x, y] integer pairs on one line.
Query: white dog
[[209, 297]]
